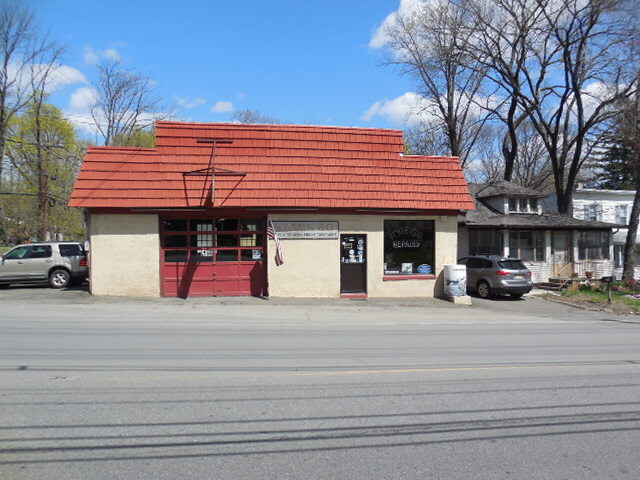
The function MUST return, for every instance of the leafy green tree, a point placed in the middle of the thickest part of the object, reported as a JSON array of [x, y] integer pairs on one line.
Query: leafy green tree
[[45, 158]]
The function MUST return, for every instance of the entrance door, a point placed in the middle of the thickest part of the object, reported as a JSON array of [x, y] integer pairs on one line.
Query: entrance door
[[561, 250], [353, 263]]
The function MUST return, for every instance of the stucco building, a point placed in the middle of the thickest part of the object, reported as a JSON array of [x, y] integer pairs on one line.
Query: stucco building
[[352, 214]]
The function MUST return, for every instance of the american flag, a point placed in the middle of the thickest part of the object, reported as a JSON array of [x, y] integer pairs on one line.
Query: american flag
[[273, 235]]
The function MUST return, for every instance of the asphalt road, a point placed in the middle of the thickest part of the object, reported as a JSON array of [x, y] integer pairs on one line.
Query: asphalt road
[[168, 389]]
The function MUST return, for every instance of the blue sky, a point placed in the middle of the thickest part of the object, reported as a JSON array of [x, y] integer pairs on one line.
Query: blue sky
[[299, 61]]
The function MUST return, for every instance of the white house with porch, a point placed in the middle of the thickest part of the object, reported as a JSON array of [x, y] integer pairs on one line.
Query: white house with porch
[[511, 220]]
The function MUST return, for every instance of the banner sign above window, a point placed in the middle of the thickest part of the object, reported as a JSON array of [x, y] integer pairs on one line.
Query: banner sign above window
[[306, 230]]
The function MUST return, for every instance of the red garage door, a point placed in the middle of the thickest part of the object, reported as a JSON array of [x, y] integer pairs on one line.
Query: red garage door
[[204, 257]]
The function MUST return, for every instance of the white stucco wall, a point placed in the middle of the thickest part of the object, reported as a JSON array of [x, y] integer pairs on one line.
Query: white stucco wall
[[312, 267], [125, 253]]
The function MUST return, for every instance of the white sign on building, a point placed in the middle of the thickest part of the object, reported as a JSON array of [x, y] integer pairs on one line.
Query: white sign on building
[[306, 230]]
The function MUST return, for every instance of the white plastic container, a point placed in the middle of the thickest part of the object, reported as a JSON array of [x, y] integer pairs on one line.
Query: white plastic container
[[455, 280]]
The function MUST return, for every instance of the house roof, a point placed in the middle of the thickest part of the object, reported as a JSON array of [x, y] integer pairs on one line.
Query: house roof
[[281, 166], [503, 188], [486, 217]]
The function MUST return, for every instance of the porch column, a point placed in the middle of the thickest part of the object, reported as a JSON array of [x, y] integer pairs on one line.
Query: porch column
[[547, 246], [505, 242]]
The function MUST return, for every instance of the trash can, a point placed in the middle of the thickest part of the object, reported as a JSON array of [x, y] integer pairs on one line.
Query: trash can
[[455, 280]]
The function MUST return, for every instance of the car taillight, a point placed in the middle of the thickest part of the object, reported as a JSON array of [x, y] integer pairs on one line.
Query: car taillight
[[502, 272], [83, 262], [529, 273]]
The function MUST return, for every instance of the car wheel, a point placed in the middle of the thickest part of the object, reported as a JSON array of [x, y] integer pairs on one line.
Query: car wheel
[[484, 290], [516, 295], [59, 278]]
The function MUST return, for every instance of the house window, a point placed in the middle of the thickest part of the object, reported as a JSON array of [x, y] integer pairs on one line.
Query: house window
[[593, 245], [527, 245], [409, 244], [485, 242], [621, 214], [591, 212], [523, 205]]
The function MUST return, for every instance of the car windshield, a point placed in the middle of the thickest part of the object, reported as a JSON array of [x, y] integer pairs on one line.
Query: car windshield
[[512, 265]]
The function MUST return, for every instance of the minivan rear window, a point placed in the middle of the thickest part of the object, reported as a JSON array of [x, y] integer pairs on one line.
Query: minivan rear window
[[512, 265], [71, 250]]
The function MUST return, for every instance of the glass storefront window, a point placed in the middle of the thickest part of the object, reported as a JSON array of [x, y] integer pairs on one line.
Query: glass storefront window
[[409, 247], [251, 255], [226, 240], [227, 256], [205, 225], [226, 224], [251, 240], [173, 225], [251, 225], [173, 256], [175, 241], [201, 256]]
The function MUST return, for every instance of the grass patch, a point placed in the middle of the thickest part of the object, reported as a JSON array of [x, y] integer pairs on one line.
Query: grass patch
[[597, 293], [4, 249]]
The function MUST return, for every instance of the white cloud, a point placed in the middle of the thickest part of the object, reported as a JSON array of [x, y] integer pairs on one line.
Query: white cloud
[[55, 76], [409, 108], [222, 107], [82, 99], [79, 111], [188, 102], [64, 75], [380, 38], [92, 57], [112, 54]]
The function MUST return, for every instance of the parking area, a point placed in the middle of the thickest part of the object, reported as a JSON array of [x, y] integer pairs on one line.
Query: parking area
[[77, 301]]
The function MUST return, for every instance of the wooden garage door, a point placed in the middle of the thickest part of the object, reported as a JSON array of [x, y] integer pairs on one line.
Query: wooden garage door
[[204, 257]]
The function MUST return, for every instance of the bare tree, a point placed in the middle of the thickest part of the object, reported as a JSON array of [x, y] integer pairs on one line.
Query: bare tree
[[425, 43], [252, 116], [24, 52], [557, 61], [125, 103], [531, 168]]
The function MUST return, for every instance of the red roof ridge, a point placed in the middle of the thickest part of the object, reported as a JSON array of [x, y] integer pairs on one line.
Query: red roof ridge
[[431, 157], [110, 149], [277, 126]]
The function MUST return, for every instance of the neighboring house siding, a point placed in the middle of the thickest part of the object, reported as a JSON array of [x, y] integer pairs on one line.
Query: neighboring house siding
[[540, 272], [607, 204], [463, 241]]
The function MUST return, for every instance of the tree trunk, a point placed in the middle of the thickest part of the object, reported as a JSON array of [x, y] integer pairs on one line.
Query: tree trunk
[[630, 243]]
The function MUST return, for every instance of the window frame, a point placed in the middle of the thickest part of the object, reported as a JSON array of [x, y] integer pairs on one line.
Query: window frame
[[390, 231], [537, 246], [586, 246]]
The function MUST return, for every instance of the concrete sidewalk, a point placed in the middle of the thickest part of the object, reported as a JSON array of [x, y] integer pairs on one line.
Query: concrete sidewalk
[[78, 304]]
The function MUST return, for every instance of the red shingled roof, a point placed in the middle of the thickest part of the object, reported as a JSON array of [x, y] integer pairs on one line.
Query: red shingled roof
[[284, 166]]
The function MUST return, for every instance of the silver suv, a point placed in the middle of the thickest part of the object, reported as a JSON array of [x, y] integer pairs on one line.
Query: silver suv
[[493, 275], [56, 263]]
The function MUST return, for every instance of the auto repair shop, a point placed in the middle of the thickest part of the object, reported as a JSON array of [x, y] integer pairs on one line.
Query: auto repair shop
[[281, 210]]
